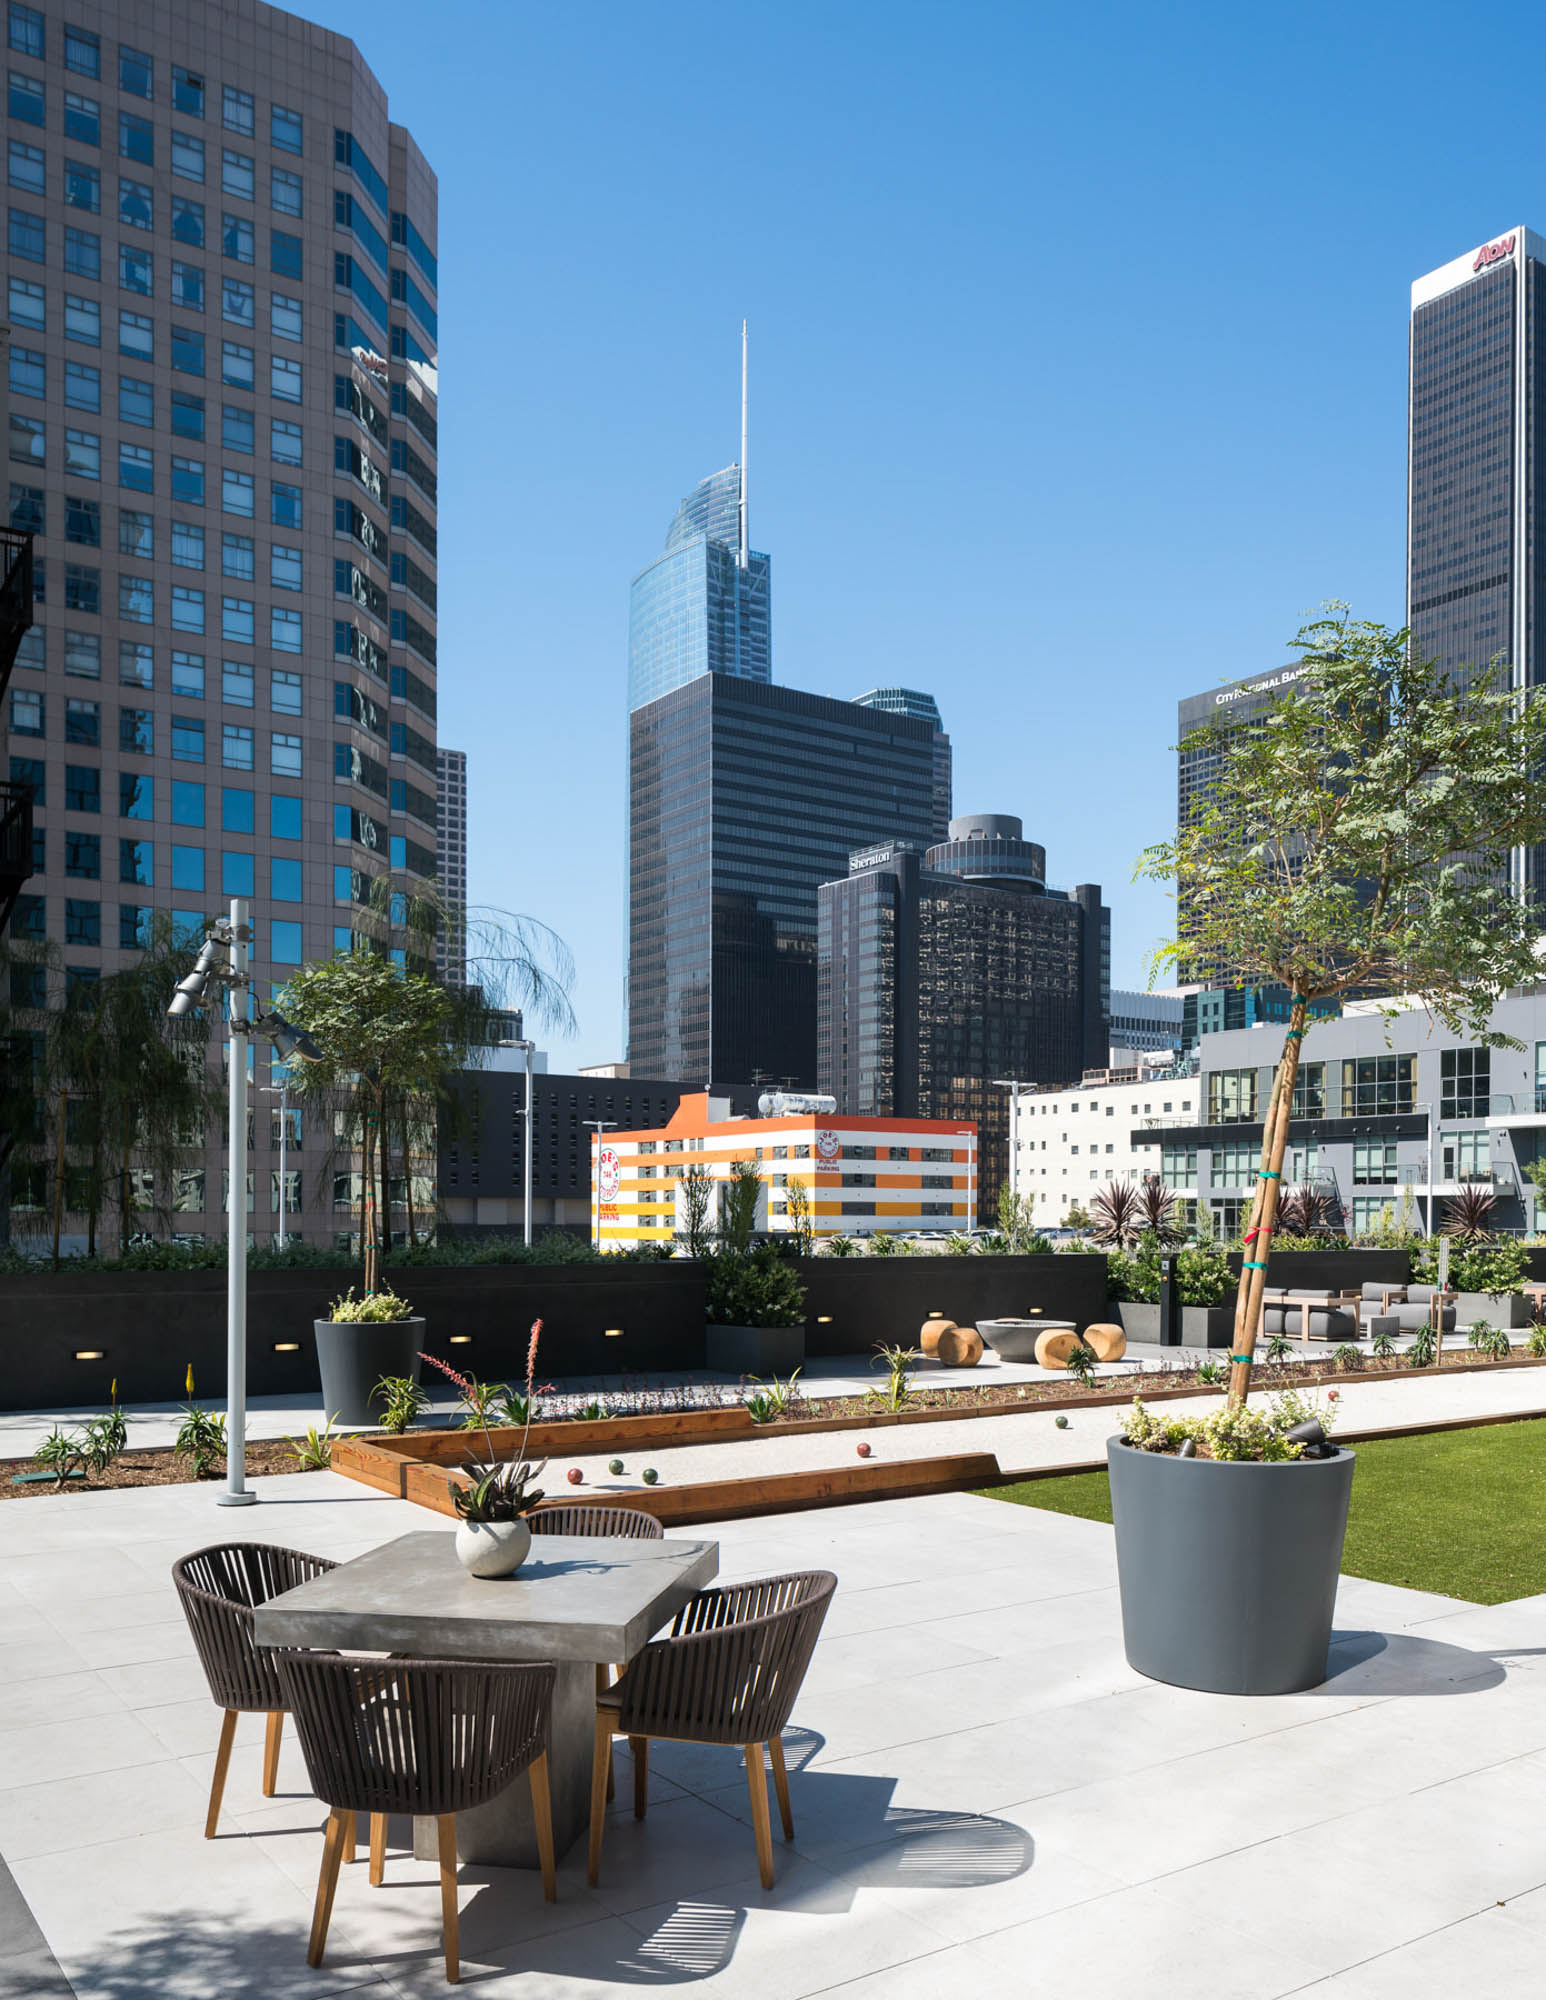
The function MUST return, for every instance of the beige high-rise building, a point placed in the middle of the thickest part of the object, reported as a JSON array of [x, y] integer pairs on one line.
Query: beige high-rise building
[[222, 434]]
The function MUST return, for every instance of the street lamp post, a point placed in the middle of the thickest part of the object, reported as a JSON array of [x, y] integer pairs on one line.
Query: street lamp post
[[1013, 1085], [225, 958], [529, 1048]]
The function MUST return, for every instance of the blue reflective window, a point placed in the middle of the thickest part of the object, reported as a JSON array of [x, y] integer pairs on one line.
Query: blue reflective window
[[284, 817], [187, 803], [188, 868], [236, 809], [285, 880], [285, 944], [236, 875]]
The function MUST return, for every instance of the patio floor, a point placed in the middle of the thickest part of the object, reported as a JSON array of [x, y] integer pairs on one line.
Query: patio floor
[[986, 1797]]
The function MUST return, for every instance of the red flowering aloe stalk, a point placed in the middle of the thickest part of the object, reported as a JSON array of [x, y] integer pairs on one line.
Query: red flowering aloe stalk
[[497, 1492]]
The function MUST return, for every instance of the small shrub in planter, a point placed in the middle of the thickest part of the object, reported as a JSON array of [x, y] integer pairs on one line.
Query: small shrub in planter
[[361, 1341]]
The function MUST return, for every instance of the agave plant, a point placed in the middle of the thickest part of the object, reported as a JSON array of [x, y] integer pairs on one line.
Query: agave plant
[[1157, 1214], [1117, 1214], [498, 1492], [1309, 1211], [1468, 1215]]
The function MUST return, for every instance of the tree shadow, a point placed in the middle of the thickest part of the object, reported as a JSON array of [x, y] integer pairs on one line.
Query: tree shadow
[[1401, 1663]]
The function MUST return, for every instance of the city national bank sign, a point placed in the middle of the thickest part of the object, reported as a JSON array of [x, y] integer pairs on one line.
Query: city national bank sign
[[1248, 688]]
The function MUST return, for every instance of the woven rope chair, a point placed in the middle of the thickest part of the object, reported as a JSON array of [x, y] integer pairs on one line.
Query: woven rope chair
[[429, 1738], [729, 1673], [218, 1588], [627, 1523]]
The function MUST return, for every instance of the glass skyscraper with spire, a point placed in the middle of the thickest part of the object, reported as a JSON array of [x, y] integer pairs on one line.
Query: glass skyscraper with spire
[[698, 608]]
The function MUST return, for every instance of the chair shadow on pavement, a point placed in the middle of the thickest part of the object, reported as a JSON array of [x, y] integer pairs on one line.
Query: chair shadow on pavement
[[1401, 1663]]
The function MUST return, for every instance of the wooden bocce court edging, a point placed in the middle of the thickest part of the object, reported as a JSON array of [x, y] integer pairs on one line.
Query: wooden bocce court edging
[[422, 1467]]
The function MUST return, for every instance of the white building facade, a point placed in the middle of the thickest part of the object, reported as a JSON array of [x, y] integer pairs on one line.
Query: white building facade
[[1067, 1142]]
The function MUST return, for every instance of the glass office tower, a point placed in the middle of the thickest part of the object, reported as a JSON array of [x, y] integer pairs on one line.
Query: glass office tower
[[697, 609], [222, 431], [911, 701], [1476, 467], [744, 799]]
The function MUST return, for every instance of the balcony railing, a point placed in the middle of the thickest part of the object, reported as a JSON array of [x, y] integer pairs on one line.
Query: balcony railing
[[15, 845]]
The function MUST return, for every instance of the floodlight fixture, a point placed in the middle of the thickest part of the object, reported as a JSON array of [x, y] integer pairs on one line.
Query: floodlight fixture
[[190, 990], [288, 1040]]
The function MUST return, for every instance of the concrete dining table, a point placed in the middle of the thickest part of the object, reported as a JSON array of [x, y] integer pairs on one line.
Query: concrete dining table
[[578, 1600]]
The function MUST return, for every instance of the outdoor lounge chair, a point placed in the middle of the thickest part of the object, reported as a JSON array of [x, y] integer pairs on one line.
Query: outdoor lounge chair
[[728, 1673]]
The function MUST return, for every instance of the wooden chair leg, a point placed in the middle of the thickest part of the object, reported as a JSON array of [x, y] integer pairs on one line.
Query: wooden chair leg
[[542, 1814], [378, 1832], [222, 1765], [273, 1730], [639, 1750], [603, 1682], [781, 1785], [445, 1826], [351, 1837], [327, 1882], [600, 1764], [757, 1786]]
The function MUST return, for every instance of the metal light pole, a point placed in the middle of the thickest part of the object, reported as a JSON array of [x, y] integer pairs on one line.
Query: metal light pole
[[530, 1049], [237, 1492], [231, 938], [1012, 1085], [282, 1092], [598, 1125]]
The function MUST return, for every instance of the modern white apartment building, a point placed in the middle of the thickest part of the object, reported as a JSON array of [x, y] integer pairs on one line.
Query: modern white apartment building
[[1067, 1142]]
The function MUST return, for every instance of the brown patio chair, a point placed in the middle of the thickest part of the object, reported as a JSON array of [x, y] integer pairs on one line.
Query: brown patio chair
[[583, 1518], [428, 1738], [728, 1673], [218, 1588]]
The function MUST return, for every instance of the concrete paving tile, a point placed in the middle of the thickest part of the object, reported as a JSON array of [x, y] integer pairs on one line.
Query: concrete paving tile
[[45, 1657], [1133, 1941], [29, 1702], [587, 1962], [803, 1936], [864, 1658], [1443, 1963], [133, 1644], [77, 1745], [172, 1916], [59, 1814], [956, 1972], [684, 1847]]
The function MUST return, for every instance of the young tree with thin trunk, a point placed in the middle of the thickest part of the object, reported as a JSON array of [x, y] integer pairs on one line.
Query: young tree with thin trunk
[[1358, 838]]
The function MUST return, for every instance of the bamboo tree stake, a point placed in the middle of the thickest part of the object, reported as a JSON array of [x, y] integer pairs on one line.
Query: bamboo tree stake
[[1264, 1209]]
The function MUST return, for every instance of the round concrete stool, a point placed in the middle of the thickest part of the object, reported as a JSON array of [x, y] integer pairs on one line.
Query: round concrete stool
[[960, 1347], [1108, 1342], [929, 1337]]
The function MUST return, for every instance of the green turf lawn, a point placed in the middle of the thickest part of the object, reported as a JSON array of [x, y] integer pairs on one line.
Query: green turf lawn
[[1458, 1512]]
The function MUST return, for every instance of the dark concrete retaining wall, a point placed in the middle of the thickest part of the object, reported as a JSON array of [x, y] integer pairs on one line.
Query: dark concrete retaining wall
[[149, 1325]]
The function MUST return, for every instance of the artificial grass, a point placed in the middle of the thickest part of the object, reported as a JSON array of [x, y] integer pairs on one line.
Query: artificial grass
[[1457, 1512]]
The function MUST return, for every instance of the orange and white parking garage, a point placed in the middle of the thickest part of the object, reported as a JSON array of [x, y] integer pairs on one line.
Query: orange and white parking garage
[[897, 1174]]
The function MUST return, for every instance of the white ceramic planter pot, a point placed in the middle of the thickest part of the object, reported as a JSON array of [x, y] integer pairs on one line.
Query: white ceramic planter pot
[[492, 1548]]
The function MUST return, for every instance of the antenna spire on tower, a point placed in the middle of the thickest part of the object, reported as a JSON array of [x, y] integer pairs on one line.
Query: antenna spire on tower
[[743, 549]]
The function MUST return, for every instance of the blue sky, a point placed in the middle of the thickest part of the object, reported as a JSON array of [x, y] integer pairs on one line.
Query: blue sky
[[1079, 366]]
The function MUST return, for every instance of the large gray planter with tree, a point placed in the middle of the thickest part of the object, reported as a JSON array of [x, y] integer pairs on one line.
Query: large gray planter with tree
[[353, 1355], [754, 1350], [1201, 1326], [1228, 1570]]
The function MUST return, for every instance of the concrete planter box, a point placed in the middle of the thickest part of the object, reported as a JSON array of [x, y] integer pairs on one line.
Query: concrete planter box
[[1228, 1571], [1201, 1326], [754, 1350], [1507, 1309]]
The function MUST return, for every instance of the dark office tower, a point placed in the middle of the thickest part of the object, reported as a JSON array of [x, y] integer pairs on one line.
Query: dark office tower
[[222, 436], [940, 973], [744, 799], [1476, 461], [908, 701]]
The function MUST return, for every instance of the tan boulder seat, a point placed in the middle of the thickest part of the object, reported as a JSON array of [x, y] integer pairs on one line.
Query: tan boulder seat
[[1056, 1341], [1107, 1342], [929, 1334], [958, 1347]]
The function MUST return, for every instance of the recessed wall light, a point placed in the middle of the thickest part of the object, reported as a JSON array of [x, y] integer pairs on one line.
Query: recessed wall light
[[613, 1332], [88, 1353], [460, 1339], [287, 1347], [823, 1319]]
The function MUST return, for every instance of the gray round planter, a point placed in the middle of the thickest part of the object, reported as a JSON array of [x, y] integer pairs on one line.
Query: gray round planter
[[353, 1357], [1228, 1571]]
